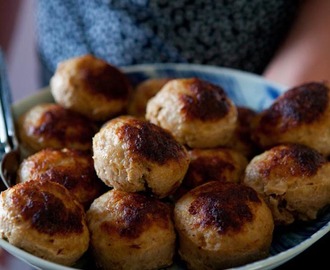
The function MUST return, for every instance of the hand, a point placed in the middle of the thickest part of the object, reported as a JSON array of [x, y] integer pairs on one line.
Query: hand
[[305, 54]]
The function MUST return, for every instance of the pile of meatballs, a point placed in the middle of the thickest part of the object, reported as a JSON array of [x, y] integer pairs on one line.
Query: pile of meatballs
[[170, 171]]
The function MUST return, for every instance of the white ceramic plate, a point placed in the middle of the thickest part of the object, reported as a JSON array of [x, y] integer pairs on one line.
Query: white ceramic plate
[[244, 89]]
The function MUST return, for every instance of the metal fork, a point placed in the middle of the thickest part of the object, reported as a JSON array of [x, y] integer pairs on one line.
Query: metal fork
[[9, 145]]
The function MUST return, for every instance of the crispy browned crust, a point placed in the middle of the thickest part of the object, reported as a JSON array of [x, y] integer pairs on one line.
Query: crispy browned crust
[[221, 225], [47, 208], [199, 114], [135, 214], [303, 104], [132, 154], [100, 78], [291, 160], [293, 180], [300, 115], [216, 164], [224, 206], [51, 125], [131, 231], [206, 101], [42, 218], [63, 125], [150, 141], [71, 168], [91, 86]]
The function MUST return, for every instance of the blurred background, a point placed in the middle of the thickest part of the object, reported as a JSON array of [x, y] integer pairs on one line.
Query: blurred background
[[17, 40]]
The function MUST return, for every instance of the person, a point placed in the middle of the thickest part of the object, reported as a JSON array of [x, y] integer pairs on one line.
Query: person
[[286, 41], [304, 54]]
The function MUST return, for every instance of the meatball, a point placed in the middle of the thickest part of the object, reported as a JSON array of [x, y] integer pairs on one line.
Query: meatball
[[131, 231], [294, 181], [49, 125], [198, 114], [41, 217], [90, 86], [133, 155], [216, 164], [71, 168], [222, 225], [300, 115]]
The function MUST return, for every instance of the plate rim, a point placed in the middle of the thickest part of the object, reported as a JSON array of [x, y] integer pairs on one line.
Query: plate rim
[[201, 67]]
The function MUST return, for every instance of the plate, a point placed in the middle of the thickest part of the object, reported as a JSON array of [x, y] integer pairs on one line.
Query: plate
[[245, 89]]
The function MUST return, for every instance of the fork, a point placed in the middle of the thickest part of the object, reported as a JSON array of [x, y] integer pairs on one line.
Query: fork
[[8, 141]]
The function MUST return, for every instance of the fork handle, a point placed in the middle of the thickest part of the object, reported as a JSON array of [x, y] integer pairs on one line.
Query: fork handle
[[7, 130]]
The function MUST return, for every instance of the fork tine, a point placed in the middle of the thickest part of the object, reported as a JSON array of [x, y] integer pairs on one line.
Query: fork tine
[[9, 167]]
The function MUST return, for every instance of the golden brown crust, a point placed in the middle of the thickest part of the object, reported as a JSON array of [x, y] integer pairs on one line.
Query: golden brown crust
[[300, 115], [38, 206], [136, 213], [150, 142], [223, 207], [131, 154], [131, 231], [216, 164], [71, 168], [91, 86], [293, 180], [196, 112], [51, 125], [204, 101], [294, 160], [300, 105], [222, 225], [42, 218], [100, 78]]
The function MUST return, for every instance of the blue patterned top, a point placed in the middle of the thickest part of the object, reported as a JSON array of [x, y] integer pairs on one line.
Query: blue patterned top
[[242, 34]]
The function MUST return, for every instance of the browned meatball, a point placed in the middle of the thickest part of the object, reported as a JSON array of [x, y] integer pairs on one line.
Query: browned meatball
[[216, 164], [131, 231], [133, 155], [198, 114], [50, 125], [71, 168], [42, 218], [90, 86], [293, 179], [301, 115], [222, 225]]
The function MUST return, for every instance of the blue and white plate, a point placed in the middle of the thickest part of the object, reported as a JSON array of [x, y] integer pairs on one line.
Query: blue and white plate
[[244, 89]]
